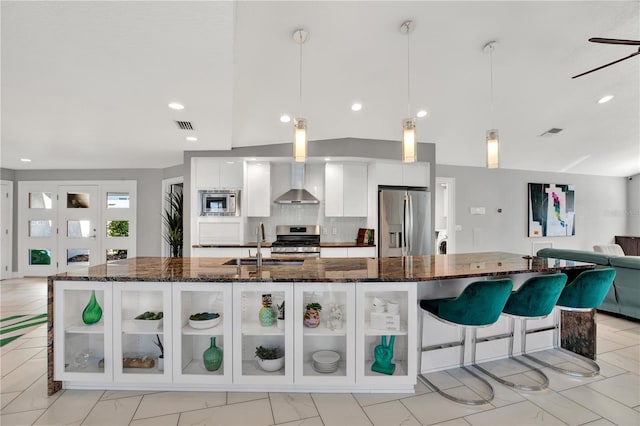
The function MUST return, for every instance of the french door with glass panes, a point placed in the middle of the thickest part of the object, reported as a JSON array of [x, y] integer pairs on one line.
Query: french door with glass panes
[[78, 212], [66, 225]]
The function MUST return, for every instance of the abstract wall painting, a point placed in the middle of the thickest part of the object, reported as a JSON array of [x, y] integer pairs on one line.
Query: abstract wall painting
[[551, 210]]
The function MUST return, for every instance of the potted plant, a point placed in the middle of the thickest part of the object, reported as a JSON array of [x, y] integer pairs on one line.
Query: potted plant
[[269, 359], [173, 221], [280, 319], [312, 315], [158, 343]]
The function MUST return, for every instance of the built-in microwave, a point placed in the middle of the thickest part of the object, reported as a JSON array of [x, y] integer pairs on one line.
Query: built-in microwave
[[219, 202]]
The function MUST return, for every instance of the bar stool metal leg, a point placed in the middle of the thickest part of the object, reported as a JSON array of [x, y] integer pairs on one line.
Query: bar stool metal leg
[[538, 372], [592, 369], [484, 399]]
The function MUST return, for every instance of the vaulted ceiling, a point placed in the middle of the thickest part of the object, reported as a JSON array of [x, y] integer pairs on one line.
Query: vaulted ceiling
[[86, 84]]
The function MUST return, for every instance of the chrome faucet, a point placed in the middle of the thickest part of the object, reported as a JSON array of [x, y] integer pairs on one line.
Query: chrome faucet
[[259, 238]]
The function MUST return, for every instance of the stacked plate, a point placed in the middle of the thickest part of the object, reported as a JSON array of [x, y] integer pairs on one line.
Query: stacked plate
[[325, 361]]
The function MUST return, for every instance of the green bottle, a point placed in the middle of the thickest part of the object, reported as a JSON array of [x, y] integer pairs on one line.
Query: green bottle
[[92, 312], [212, 357]]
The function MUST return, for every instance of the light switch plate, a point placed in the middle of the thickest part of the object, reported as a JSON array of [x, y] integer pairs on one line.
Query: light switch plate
[[477, 210]]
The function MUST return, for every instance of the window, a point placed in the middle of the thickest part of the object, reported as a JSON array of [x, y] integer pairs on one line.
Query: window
[[117, 228], [40, 200], [118, 200], [39, 257], [77, 200], [79, 229], [40, 228]]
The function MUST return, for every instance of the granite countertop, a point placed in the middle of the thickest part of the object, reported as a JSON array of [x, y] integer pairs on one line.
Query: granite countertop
[[414, 268], [267, 245]]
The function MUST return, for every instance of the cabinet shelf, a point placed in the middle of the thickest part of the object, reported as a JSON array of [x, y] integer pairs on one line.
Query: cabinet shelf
[[323, 331], [218, 330], [86, 329], [152, 370], [130, 327], [250, 368], [196, 366], [307, 371], [368, 331], [91, 367], [253, 328], [400, 370]]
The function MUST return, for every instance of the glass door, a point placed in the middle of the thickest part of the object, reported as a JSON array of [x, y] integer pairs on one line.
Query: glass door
[[324, 318], [78, 240]]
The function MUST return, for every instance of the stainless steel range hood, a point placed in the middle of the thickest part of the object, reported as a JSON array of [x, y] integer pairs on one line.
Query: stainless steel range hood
[[297, 194]]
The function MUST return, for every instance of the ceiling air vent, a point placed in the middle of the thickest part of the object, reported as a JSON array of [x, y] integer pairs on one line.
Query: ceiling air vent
[[551, 132], [184, 125]]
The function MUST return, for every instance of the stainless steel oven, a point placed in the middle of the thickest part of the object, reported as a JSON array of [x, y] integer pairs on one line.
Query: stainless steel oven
[[219, 202], [299, 241]]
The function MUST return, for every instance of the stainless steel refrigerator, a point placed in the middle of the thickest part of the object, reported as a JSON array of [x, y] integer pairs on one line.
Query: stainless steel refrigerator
[[404, 221]]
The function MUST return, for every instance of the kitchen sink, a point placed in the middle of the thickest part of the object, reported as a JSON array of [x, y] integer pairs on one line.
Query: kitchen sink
[[251, 261]]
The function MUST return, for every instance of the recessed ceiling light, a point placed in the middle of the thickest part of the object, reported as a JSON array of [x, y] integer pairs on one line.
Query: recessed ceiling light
[[285, 118], [25, 160], [356, 106], [605, 99], [422, 113], [175, 105], [191, 138], [327, 159], [252, 159]]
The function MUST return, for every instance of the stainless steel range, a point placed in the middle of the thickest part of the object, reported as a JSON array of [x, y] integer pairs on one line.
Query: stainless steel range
[[296, 241]]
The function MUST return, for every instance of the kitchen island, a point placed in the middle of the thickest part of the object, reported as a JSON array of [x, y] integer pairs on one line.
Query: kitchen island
[[91, 356]]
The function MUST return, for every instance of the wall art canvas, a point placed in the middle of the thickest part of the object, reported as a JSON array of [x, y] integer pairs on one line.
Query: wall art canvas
[[551, 210]]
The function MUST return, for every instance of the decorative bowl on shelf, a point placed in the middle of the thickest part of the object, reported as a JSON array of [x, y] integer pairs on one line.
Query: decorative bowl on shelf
[[148, 321], [271, 364], [204, 320]]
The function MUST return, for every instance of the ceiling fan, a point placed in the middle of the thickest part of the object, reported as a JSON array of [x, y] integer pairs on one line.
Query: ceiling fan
[[612, 41]]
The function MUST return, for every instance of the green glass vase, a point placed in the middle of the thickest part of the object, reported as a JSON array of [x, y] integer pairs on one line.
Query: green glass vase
[[212, 357], [92, 312]]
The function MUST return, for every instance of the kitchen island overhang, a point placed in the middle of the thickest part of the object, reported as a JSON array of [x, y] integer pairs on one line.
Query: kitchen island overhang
[[420, 277]]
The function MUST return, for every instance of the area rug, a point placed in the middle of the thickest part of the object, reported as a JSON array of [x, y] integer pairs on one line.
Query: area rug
[[17, 326]]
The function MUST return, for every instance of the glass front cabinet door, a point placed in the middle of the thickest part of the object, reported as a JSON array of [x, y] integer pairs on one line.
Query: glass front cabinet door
[[83, 330], [386, 344], [324, 317], [202, 323], [262, 345], [139, 329]]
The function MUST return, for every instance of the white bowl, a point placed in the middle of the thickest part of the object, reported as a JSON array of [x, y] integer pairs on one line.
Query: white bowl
[[202, 324], [147, 325], [271, 364]]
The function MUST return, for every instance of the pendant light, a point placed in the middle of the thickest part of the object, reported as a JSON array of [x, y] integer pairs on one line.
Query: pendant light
[[493, 142], [300, 124], [409, 142]]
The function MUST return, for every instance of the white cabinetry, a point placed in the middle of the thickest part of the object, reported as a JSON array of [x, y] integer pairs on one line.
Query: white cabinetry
[[79, 348], [248, 333], [190, 343], [335, 333], [217, 173], [370, 333], [134, 339], [399, 174], [258, 189], [346, 190], [328, 252]]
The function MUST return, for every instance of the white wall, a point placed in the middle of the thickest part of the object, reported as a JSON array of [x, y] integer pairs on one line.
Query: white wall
[[633, 206], [601, 204]]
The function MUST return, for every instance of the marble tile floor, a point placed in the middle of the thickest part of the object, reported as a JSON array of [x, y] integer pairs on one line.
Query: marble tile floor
[[613, 398]]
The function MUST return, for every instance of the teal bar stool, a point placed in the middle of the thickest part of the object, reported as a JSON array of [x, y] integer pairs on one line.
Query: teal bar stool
[[479, 305], [585, 293], [535, 299]]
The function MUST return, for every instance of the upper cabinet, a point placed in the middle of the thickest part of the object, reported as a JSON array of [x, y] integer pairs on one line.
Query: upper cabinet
[[258, 189], [416, 174], [217, 173], [346, 190]]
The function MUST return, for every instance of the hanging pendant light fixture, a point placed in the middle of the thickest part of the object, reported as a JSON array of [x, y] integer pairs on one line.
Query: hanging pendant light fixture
[[409, 141], [300, 124], [493, 141]]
